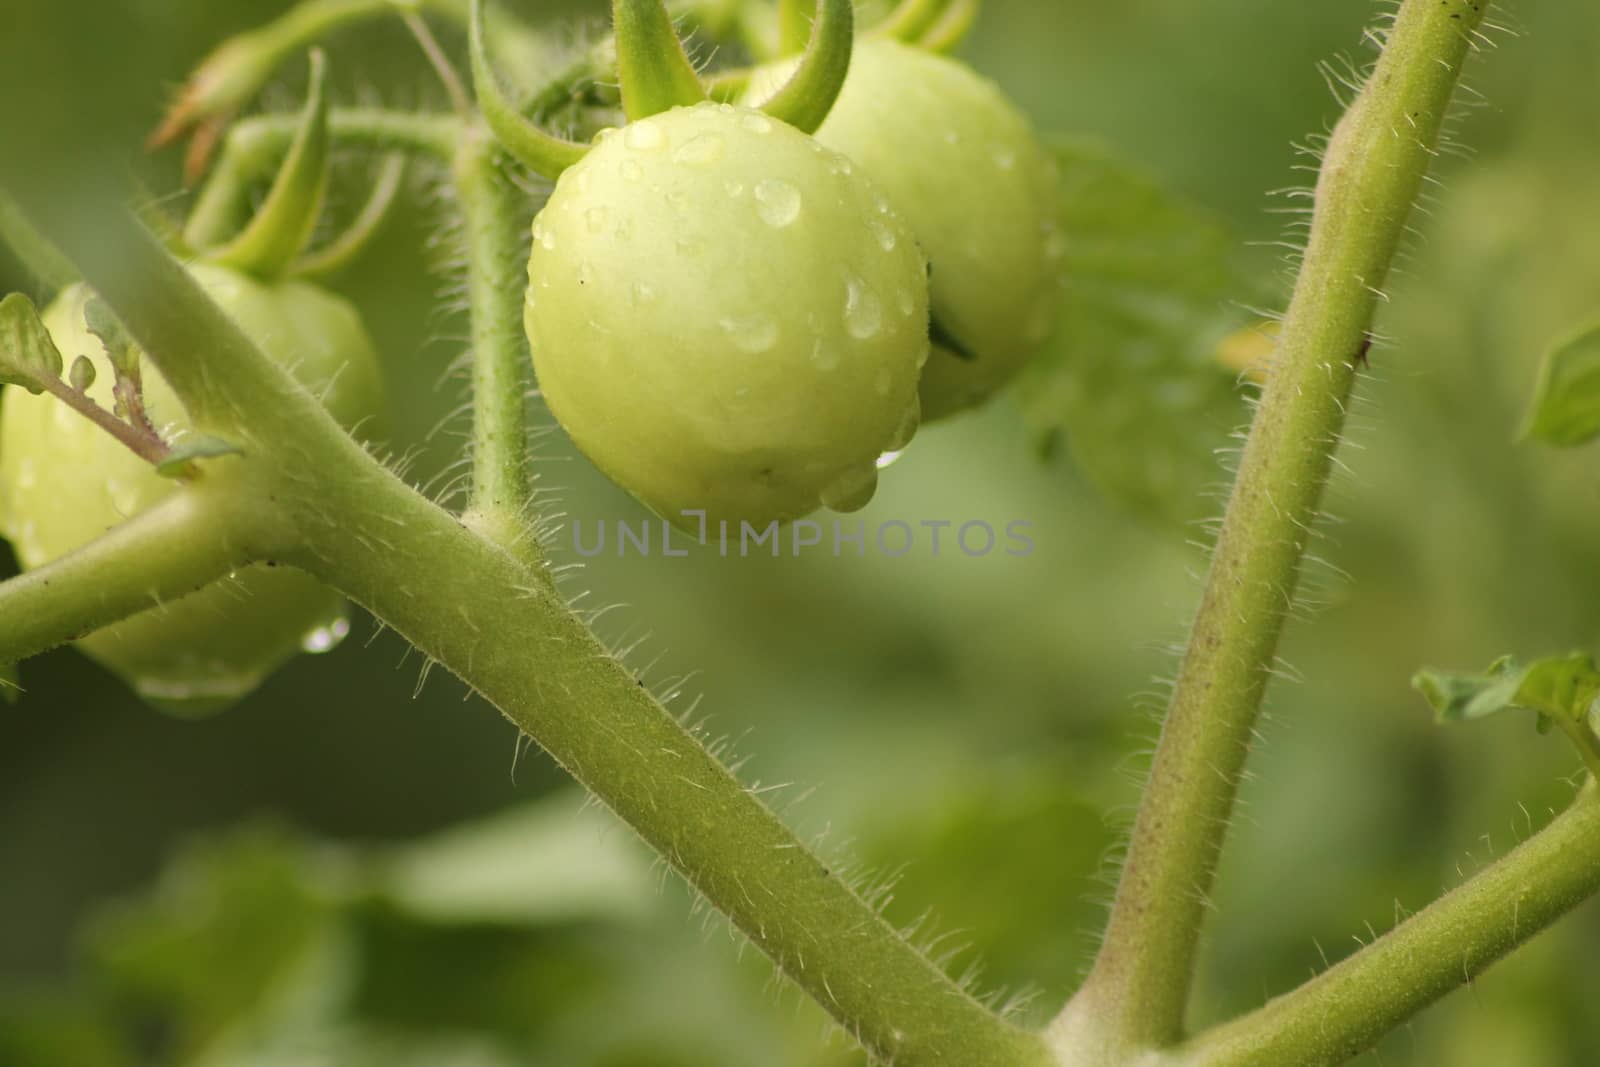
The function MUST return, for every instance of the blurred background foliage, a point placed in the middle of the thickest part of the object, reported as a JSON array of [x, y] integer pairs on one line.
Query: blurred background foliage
[[348, 869]]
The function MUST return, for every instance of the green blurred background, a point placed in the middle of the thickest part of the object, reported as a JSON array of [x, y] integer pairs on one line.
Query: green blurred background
[[267, 887]]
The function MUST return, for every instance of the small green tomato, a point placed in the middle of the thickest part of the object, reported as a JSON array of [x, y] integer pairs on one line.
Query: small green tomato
[[964, 167], [64, 482], [726, 317]]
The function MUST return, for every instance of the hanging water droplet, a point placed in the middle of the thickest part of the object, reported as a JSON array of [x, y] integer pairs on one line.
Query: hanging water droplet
[[863, 311], [547, 240], [753, 335], [643, 136], [700, 150], [756, 123], [327, 637], [889, 459], [777, 202], [852, 490], [910, 423]]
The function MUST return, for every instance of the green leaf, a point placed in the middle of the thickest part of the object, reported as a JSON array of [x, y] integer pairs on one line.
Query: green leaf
[[1566, 402], [193, 447], [1559, 689], [1131, 378], [28, 358], [552, 862], [104, 324]]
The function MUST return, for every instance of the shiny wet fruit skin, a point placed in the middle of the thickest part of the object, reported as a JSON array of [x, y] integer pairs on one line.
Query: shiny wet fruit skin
[[727, 318], [64, 482], [964, 167]]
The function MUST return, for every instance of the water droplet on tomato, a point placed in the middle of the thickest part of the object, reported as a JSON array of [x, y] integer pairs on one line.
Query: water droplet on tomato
[[1004, 156], [778, 203], [863, 311], [701, 150], [643, 136], [752, 335], [824, 357], [596, 219], [630, 170], [884, 233], [756, 123]]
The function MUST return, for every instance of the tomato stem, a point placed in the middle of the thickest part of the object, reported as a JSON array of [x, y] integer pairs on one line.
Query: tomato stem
[[1374, 169], [654, 71]]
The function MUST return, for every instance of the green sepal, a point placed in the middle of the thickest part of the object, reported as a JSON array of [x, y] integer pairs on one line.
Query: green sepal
[[952, 27], [522, 140], [806, 99], [1561, 690], [28, 358], [280, 230], [910, 19], [654, 71], [1566, 402], [192, 447], [344, 249]]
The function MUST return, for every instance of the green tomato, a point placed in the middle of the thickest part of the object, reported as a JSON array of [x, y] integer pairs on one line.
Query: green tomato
[[964, 167], [726, 317], [64, 482]]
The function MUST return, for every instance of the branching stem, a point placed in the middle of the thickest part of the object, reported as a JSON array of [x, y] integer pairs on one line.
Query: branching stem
[[1373, 171]]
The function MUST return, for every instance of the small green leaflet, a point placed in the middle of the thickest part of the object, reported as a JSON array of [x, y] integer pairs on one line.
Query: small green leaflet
[[104, 324], [192, 447], [1131, 380], [1566, 402], [1559, 689], [28, 358]]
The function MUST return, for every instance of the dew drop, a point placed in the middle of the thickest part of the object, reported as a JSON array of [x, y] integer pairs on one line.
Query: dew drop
[[327, 637], [756, 123], [853, 490], [596, 218], [824, 357], [777, 202], [734, 189], [906, 303], [884, 233], [863, 311], [643, 136], [753, 335], [889, 459], [642, 293], [1004, 156], [700, 150], [952, 137], [547, 240], [630, 170]]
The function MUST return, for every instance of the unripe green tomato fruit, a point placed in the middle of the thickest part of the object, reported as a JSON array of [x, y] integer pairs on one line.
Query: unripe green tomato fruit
[[726, 317], [64, 482], [963, 166]]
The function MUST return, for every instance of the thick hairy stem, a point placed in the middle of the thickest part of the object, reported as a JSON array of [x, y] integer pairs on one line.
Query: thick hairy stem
[[496, 623], [181, 545], [255, 147], [500, 507], [37, 255], [1344, 1011], [1374, 168]]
